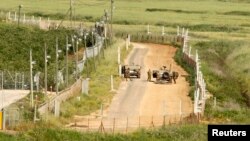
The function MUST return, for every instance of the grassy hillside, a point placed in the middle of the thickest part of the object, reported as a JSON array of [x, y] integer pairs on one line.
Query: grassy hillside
[[17, 42]]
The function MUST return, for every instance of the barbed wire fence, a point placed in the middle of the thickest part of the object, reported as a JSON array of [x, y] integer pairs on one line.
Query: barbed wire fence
[[128, 124], [14, 80]]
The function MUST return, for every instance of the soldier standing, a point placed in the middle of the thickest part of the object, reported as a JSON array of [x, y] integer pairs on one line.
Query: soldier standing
[[149, 75], [127, 74], [175, 76]]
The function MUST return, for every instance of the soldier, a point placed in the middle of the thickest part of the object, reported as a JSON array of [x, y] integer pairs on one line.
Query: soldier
[[175, 76], [149, 75], [127, 75]]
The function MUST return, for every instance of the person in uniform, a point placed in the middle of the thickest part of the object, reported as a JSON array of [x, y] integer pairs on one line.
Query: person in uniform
[[149, 75], [175, 76], [127, 75]]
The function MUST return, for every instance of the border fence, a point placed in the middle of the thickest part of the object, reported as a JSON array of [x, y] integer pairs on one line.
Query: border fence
[[200, 94], [128, 124], [42, 23], [12, 16], [14, 80]]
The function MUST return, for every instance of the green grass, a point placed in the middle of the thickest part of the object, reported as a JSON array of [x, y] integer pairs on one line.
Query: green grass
[[181, 11], [227, 113], [169, 133]]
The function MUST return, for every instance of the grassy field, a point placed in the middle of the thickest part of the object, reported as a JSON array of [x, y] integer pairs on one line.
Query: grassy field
[[145, 11]]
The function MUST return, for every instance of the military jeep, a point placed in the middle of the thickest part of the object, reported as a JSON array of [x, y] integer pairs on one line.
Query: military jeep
[[131, 70]]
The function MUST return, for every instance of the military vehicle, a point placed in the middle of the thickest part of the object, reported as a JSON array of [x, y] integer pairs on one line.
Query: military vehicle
[[165, 76], [133, 71]]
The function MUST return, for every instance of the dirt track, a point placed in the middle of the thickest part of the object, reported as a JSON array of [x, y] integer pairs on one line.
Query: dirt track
[[141, 98], [139, 103]]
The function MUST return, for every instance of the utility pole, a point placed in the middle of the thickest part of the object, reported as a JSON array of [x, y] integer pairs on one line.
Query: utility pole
[[76, 58], [45, 75], [19, 13], [67, 68], [31, 80], [45, 69], [57, 66], [87, 69], [111, 20], [46, 57], [92, 38], [70, 13]]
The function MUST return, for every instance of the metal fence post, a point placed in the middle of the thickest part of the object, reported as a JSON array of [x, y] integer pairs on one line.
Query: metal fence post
[[164, 121], [111, 83], [113, 125], [180, 108], [127, 125], [4, 118], [139, 121], [88, 125]]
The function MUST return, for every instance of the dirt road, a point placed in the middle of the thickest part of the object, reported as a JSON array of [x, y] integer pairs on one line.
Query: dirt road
[[141, 98]]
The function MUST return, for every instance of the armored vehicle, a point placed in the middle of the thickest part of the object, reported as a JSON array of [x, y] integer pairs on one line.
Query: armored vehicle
[[165, 76]]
